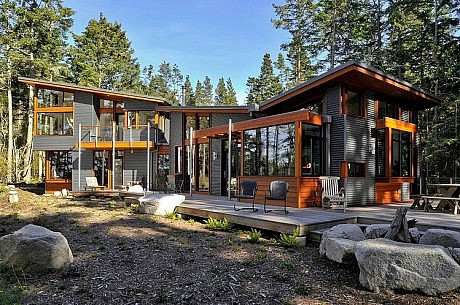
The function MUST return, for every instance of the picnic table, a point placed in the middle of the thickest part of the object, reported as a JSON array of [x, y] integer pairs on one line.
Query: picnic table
[[449, 196]]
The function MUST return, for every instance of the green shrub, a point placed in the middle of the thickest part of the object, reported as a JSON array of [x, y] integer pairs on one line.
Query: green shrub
[[302, 289], [218, 225], [289, 240], [254, 235], [287, 265]]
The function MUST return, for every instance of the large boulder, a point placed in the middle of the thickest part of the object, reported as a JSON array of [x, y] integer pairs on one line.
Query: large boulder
[[445, 238], [35, 250], [379, 231], [386, 265], [338, 242], [160, 204], [339, 250]]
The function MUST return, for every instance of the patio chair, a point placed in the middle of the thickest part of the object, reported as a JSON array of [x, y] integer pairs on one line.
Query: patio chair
[[176, 187], [277, 191], [92, 184], [330, 193], [248, 190]]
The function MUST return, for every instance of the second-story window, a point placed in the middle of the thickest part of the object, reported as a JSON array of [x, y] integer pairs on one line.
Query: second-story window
[[386, 109], [54, 112], [354, 103]]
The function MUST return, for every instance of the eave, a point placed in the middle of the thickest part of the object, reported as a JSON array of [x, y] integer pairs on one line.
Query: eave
[[102, 93], [358, 76]]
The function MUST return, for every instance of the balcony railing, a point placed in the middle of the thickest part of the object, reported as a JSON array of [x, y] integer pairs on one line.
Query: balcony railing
[[139, 133]]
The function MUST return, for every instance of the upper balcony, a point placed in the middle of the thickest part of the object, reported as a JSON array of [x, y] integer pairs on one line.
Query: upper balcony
[[107, 137]]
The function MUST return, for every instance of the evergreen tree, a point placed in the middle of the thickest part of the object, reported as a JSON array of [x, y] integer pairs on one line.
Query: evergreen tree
[[103, 57], [231, 99], [200, 99], [296, 16], [189, 94], [221, 93], [266, 85], [207, 89]]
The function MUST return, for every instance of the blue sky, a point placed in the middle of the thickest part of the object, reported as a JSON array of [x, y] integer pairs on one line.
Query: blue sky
[[218, 38]]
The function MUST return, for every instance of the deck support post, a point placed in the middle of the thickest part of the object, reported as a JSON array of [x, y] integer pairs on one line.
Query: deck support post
[[113, 155], [229, 163], [148, 157], [190, 159], [79, 157]]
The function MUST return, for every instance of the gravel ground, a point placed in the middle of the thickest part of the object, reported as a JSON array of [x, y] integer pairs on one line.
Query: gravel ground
[[122, 257]]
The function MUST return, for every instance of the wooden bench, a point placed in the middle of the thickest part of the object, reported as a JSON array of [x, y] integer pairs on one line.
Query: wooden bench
[[451, 201]]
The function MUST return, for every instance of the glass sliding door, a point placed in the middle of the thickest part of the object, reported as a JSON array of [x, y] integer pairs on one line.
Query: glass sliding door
[[101, 163]]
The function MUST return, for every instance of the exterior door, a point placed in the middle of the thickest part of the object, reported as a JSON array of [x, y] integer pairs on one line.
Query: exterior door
[[101, 166]]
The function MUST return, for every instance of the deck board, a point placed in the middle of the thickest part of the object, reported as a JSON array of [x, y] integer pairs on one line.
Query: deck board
[[311, 218]]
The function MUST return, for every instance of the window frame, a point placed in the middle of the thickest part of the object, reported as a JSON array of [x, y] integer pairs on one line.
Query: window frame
[[346, 102]]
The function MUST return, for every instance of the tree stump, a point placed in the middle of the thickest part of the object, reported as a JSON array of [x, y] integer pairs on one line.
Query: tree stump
[[399, 228]]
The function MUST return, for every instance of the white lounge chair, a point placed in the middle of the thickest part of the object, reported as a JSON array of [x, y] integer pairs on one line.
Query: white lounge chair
[[331, 196]]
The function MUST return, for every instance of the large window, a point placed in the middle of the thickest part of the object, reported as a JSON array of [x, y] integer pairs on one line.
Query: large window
[[54, 112], [141, 118], [55, 123], [53, 98], [311, 150], [269, 151], [354, 103], [380, 153], [386, 109], [59, 165], [401, 153]]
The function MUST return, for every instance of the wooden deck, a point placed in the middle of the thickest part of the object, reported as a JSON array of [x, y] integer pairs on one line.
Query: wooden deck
[[311, 219]]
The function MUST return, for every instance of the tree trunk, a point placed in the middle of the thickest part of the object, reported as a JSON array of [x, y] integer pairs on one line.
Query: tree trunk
[[399, 229], [28, 149], [9, 173]]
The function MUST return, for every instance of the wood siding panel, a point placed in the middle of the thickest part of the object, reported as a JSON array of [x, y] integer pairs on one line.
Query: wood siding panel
[[85, 171], [135, 166], [216, 167], [264, 182], [54, 142], [387, 192], [133, 105], [175, 140], [306, 194]]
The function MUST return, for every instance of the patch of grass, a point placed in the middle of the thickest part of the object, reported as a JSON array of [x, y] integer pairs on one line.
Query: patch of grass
[[191, 221], [287, 265], [239, 249], [254, 235], [171, 215], [302, 289], [213, 245], [214, 270], [247, 262], [12, 296], [218, 225], [230, 241], [289, 240], [281, 277]]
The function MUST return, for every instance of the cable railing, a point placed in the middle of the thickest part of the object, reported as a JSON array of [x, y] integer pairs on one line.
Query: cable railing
[[138, 133]]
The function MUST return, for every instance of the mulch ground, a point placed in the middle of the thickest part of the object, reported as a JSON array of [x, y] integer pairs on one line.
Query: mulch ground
[[122, 257]]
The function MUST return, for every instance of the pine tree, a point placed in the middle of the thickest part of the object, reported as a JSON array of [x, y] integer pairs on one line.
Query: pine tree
[[231, 99], [199, 94], [189, 94], [266, 85], [221, 93], [103, 57], [207, 89], [296, 16]]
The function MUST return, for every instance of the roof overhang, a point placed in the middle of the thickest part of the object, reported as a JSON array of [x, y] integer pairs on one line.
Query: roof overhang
[[102, 93], [361, 77]]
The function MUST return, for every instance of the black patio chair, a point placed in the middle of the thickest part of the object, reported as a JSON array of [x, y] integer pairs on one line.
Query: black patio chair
[[277, 191], [248, 190]]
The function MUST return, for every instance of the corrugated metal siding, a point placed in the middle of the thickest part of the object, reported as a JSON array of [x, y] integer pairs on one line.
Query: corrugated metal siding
[[361, 148], [175, 139], [405, 115], [216, 167], [337, 129], [84, 112], [85, 171], [133, 105], [54, 142], [135, 166]]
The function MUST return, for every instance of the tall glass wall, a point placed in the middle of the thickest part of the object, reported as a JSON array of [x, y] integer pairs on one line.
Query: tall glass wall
[[269, 151]]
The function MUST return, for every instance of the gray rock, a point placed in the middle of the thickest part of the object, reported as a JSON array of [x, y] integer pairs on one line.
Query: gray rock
[[415, 234], [376, 230], [445, 238], [455, 252], [339, 250], [160, 204], [386, 265], [35, 249], [343, 231]]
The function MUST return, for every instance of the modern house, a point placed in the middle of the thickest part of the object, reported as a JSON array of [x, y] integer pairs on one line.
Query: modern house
[[352, 121]]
